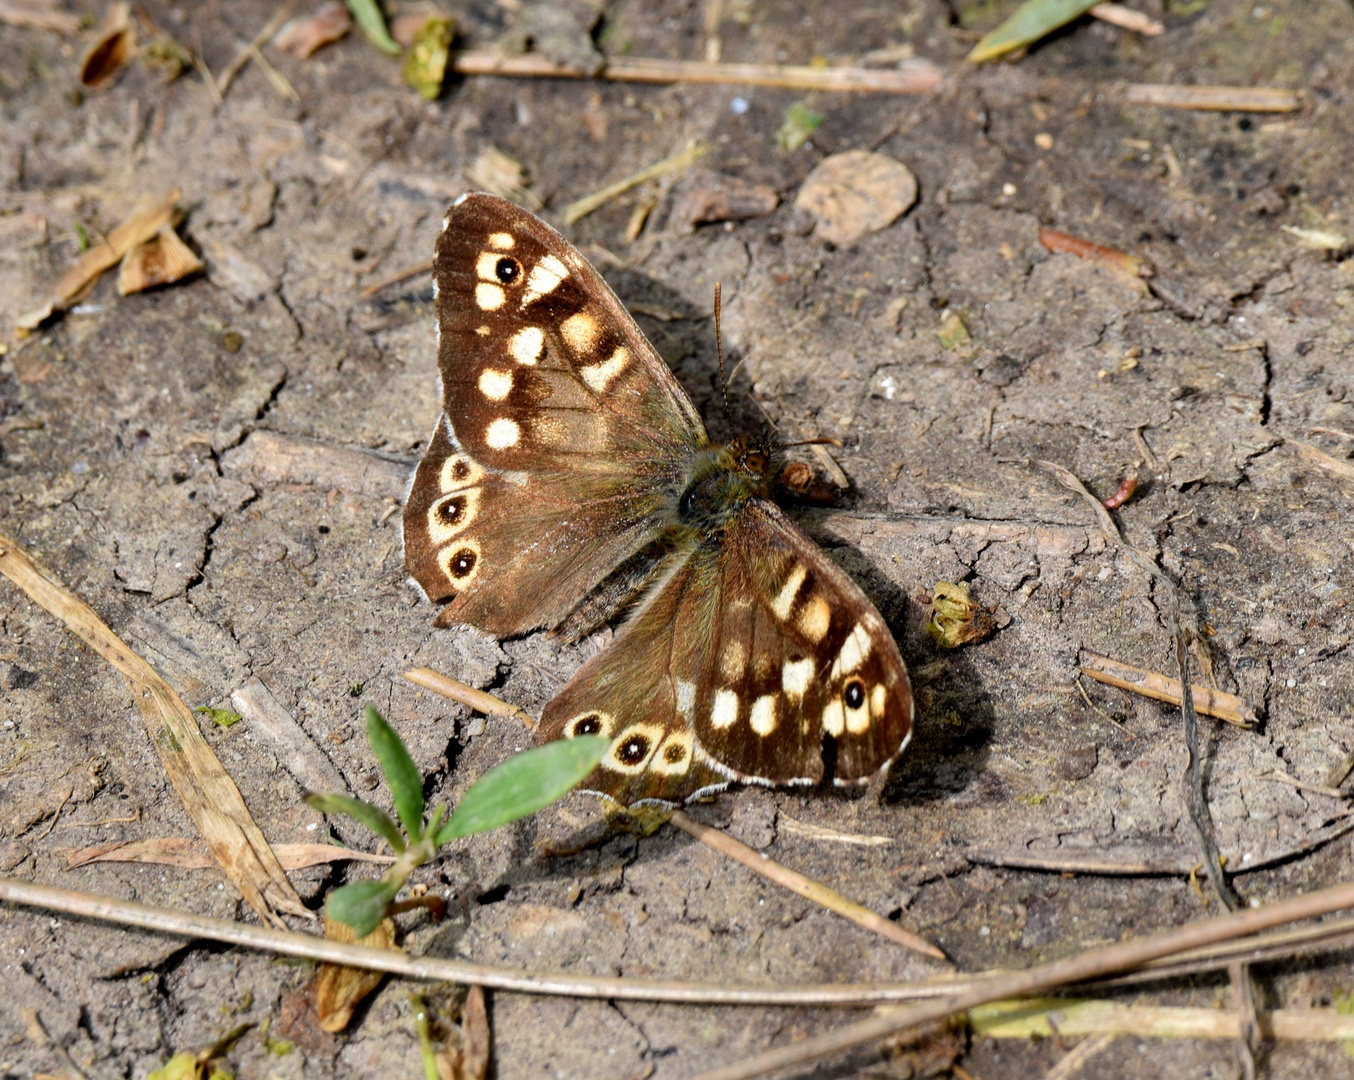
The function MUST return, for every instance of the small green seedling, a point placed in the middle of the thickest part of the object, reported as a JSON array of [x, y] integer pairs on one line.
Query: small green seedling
[[519, 787]]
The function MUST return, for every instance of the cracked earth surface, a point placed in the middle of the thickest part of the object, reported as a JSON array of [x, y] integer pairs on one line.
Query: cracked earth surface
[[214, 466]]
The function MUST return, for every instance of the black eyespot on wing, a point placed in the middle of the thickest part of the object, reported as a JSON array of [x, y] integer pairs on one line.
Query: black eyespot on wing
[[586, 725], [508, 270], [673, 753], [460, 470], [463, 562], [634, 750], [854, 694], [451, 511]]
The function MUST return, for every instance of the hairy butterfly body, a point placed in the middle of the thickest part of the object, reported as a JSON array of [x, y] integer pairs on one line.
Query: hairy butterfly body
[[570, 478]]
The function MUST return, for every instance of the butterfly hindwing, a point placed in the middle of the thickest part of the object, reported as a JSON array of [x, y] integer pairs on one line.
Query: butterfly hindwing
[[753, 656]]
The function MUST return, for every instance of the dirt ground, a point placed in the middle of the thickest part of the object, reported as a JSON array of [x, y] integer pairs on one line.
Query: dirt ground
[[216, 466]]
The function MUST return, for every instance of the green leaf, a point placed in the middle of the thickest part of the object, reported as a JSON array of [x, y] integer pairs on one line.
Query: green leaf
[[361, 905], [373, 817], [83, 240], [800, 122], [406, 785], [223, 718], [1031, 21], [523, 784], [373, 24]]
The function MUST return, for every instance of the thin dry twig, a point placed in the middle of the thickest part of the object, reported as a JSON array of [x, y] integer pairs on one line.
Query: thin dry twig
[[1106, 716], [203, 785], [368, 291], [1151, 684], [1070, 1064], [785, 823], [1045, 1017], [683, 159], [459, 692], [802, 886], [1343, 469], [1337, 775], [1262, 99], [1278, 776], [918, 78], [250, 50], [1088, 965]]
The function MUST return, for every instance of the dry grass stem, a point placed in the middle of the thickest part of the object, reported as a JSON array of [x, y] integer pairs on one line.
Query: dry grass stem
[[203, 785], [1262, 99], [683, 159], [1094, 963], [1337, 775], [1103, 714], [195, 855], [1070, 1065], [805, 887], [1047, 1017], [1278, 776], [787, 824], [1150, 684], [371, 290], [1343, 469], [250, 50], [919, 78], [459, 692]]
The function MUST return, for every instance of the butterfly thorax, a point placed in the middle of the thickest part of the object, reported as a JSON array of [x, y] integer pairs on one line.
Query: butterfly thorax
[[721, 479]]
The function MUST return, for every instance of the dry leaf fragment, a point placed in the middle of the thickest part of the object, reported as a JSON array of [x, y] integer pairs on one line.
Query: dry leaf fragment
[[469, 1060], [160, 260], [340, 989], [956, 619], [855, 193], [307, 34], [711, 196], [113, 48]]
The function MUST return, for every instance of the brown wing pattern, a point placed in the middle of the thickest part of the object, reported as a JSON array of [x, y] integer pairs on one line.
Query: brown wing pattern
[[753, 656], [563, 437]]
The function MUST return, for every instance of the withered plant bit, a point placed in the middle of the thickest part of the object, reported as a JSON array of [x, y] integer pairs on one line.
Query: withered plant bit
[[1127, 487], [425, 63], [113, 49], [145, 221], [340, 989], [307, 34], [1309, 453], [195, 855], [1262, 99], [918, 78], [1215, 703], [459, 692], [683, 159], [202, 784], [1337, 775], [802, 886], [161, 260], [956, 620], [1068, 244], [251, 50], [1127, 19]]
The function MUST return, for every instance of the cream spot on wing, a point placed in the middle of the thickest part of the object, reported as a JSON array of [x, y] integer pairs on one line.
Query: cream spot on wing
[[854, 651], [795, 676], [592, 722], [460, 562], [544, 277], [489, 297], [459, 471], [834, 718], [732, 660], [686, 698], [502, 433], [486, 266], [858, 719], [632, 749], [501, 240], [600, 376], [725, 710], [763, 718], [495, 384], [451, 514], [673, 757], [785, 599], [815, 619], [526, 344], [483, 331], [579, 332], [879, 700]]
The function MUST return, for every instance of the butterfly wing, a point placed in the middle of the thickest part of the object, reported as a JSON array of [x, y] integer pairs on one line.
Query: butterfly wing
[[564, 436], [756, 660]]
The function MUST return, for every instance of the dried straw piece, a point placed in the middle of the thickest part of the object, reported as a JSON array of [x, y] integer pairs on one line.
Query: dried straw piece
[[1213, 703], [1343, 469], [683, 159], [1127, 19], [1262, 99], [203, 785], [161, 260], [1067, 1017], [475, 700], [919, 78], [193, 854]]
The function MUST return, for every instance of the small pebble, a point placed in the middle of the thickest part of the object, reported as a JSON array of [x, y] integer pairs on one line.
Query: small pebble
[[738, 106]]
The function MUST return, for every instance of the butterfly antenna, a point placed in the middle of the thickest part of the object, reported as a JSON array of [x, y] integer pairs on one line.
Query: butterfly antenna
[[719, 353]]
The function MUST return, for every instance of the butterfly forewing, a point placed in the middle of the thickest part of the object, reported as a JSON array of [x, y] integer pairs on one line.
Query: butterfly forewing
[[564, 434]]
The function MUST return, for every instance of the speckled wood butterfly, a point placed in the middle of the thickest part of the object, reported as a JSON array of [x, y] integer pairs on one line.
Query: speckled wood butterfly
[[570, 479]]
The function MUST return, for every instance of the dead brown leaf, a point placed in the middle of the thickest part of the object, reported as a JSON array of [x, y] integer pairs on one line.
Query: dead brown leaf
[[307, 34], [341, 989], [855, 193], [160, 260]]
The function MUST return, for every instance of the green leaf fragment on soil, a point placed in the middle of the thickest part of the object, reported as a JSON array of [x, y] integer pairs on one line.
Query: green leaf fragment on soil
[[373, 817], [369, 18], [800, 122], [361, 905], [524, 784], [406, 783], [220, 717], [1031, 21]]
